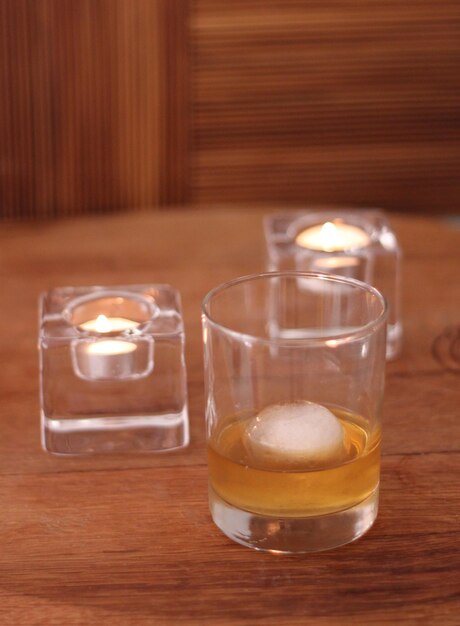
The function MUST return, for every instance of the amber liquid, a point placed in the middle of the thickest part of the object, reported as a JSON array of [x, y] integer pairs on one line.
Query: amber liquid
[[264, 486]]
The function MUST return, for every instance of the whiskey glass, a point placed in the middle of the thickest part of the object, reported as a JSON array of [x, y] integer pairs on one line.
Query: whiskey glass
[[294, 376]]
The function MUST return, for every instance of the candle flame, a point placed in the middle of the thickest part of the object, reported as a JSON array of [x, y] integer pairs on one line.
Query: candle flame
[[328, 235], [333, 237], [102, 324]]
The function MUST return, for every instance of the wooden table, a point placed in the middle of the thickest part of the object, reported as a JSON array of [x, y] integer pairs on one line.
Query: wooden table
[[129, 540]]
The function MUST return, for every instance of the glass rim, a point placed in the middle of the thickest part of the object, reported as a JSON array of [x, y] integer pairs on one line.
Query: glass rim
[[71, 308], [337, 338]]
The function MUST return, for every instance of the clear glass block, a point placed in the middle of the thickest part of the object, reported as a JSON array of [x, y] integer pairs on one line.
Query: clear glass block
[[112, 370], [294, 419], [368, 251]]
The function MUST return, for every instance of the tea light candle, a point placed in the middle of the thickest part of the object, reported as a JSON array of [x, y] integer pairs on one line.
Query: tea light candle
[[109, 353], [103, 324], [107, 359], [334, 236]]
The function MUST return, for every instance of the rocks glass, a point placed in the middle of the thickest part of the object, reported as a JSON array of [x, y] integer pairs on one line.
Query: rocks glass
[[294, 374]]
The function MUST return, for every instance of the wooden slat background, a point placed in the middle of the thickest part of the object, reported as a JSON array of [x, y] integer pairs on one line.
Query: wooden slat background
[[88, 111], [344, 101], [120, 104]]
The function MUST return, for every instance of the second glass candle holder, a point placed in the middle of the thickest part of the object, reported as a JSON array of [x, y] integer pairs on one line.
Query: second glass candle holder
[[354, 243], [112, 370]]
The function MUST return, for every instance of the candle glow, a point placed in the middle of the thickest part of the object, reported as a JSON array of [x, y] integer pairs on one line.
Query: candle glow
[[108, 357], [333, 237], [103, 324], [110, 347]]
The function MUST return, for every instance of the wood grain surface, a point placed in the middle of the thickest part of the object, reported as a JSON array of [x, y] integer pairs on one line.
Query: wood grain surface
[[127, 540], [85, 107], [344, 101], [108, 105]]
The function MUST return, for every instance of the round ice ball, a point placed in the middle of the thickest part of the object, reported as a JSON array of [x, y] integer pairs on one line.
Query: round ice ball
[[300, 432]]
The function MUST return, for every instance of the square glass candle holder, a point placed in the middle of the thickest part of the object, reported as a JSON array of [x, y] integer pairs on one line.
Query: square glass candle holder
[[356, 244], [112, 370]]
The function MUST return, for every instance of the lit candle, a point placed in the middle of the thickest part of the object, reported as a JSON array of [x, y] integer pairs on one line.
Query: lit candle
[[109, 347], [110, 342], [333, 237], [103, 324], [107, 358]]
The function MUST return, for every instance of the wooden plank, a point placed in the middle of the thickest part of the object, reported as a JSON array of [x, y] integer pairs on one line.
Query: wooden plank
[[113, 105], [86, 111], [175, 81], [74, 531], [129, 540], [126, 248], [26, 150], [344, 102]]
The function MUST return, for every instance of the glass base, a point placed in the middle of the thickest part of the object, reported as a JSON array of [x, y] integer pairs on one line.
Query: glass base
[[291, 535], [121, 434]]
